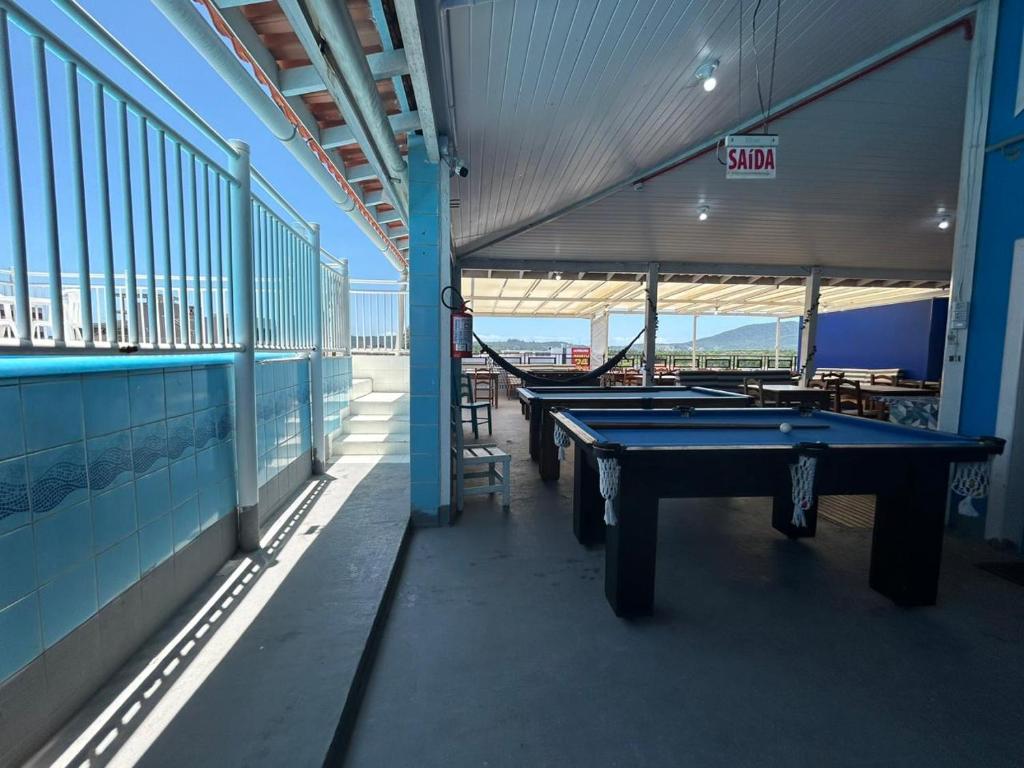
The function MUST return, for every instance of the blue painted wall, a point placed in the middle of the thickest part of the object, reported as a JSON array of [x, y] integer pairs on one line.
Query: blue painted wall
[[102, 477], [906, 336], [1001, 223], [282, 415]]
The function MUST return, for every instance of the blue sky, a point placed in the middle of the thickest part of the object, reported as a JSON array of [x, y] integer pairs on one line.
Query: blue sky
[[145, 31]]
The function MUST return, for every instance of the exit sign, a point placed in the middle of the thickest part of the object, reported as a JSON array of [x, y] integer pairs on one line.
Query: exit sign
[[751, 157]]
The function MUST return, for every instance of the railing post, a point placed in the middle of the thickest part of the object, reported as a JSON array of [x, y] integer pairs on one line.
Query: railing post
[[345, 308], [403, 289], [316, 358], [244, 358], [15, 205]]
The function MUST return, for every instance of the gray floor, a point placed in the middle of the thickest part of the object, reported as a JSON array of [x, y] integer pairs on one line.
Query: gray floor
[[500, 649]]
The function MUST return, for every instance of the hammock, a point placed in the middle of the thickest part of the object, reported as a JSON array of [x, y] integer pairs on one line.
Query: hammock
[[533, 380]]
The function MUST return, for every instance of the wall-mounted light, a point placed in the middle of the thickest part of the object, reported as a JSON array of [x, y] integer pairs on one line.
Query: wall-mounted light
[[705, 75], [703, 212]]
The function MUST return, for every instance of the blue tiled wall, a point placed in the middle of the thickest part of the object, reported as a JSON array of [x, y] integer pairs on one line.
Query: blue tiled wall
[[337, 386], [102, 477], [282, 414]]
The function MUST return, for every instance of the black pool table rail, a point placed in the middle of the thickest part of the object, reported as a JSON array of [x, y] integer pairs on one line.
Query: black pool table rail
[[909, 479]]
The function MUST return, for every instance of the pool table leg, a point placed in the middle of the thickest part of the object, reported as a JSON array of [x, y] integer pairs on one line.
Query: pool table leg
[[587, 504], [547, 451], [535, 419], [630, 550], [906, 546], [782, 517]]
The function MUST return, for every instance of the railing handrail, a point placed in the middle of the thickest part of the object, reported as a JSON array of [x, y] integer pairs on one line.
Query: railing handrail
[[66, 53], [133, 64]]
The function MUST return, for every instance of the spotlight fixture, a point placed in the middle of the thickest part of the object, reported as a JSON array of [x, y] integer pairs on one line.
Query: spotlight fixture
[[703, 212], [705, 75], [944, 223], [558, 275]]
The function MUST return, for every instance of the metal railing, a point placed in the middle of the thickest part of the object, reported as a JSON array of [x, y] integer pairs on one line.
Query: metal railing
[[378, 313], [334, 290], [717, 360], [94, 179]]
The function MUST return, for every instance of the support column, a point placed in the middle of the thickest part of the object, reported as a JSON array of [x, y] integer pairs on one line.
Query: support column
[[809, 327], [316, 357], [973, 170], [598, 339], [243, 326], [651, 321], [429, 350], [778, 339], [693, 343], [403, 295]]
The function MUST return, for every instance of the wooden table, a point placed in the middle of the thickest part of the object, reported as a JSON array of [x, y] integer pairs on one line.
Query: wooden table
[[794, 394]]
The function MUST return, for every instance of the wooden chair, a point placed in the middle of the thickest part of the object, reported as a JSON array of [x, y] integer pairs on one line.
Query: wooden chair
[[479, 461], [478, 412], [509, 383], [485, 386], [848, 398], [754, 388], [885, 378]]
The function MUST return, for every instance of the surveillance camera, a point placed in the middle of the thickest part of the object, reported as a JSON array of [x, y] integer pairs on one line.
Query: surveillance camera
[[459, 168]]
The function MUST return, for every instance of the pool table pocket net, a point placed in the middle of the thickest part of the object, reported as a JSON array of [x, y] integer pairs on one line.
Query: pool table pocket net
[[608, 484]]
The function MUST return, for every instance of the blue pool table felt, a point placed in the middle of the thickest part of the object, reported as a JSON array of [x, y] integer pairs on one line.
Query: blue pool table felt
[[840, 429], [623, 393]]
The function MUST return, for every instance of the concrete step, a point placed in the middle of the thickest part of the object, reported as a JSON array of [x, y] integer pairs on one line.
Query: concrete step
[[370, 444], [376, 423], [361, 387], [376, 403]]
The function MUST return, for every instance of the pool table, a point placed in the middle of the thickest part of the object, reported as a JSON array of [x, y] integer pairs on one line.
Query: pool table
[[538, 402], [743, 452]]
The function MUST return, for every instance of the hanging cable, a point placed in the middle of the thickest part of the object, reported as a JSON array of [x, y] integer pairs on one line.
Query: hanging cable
[[739, 77], [771, 77], [757, 70]]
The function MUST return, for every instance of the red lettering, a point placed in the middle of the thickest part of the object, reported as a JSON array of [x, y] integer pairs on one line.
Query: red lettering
[[742, 165], [732, 159], [770, 160]]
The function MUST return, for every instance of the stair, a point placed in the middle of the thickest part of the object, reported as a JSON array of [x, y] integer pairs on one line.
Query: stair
[[377, 424]]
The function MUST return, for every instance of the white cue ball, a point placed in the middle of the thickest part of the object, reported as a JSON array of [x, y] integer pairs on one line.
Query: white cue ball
[[785, 427]]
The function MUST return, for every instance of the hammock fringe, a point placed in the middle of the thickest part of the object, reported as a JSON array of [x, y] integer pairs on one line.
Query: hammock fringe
[[532, 380]]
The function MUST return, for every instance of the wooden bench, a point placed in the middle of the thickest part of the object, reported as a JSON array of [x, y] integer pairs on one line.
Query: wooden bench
[[863, 375], [734, 380]]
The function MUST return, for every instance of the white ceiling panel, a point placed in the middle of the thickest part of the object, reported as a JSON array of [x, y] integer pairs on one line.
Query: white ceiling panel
[[862, 174], [556, 101]]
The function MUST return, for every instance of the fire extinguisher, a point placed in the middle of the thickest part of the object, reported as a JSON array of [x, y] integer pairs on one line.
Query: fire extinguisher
[[462, 326]]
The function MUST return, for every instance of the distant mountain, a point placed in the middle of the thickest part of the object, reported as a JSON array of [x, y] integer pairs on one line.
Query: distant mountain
[[746, 337], [755, 336]]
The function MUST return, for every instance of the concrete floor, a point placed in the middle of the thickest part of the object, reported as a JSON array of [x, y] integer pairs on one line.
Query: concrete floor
[[500, 649]]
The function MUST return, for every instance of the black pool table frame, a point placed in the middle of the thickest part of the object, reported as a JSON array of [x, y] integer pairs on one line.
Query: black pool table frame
[[909, 481], [539, 402]]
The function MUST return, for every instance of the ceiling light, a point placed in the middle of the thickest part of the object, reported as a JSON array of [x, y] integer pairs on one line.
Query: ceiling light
[[706, 75], [944, 223], [703, 212], [558, 275]]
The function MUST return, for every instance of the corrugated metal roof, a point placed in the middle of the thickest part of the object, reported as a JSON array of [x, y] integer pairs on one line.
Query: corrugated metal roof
[[558, 101], [547, 297]]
